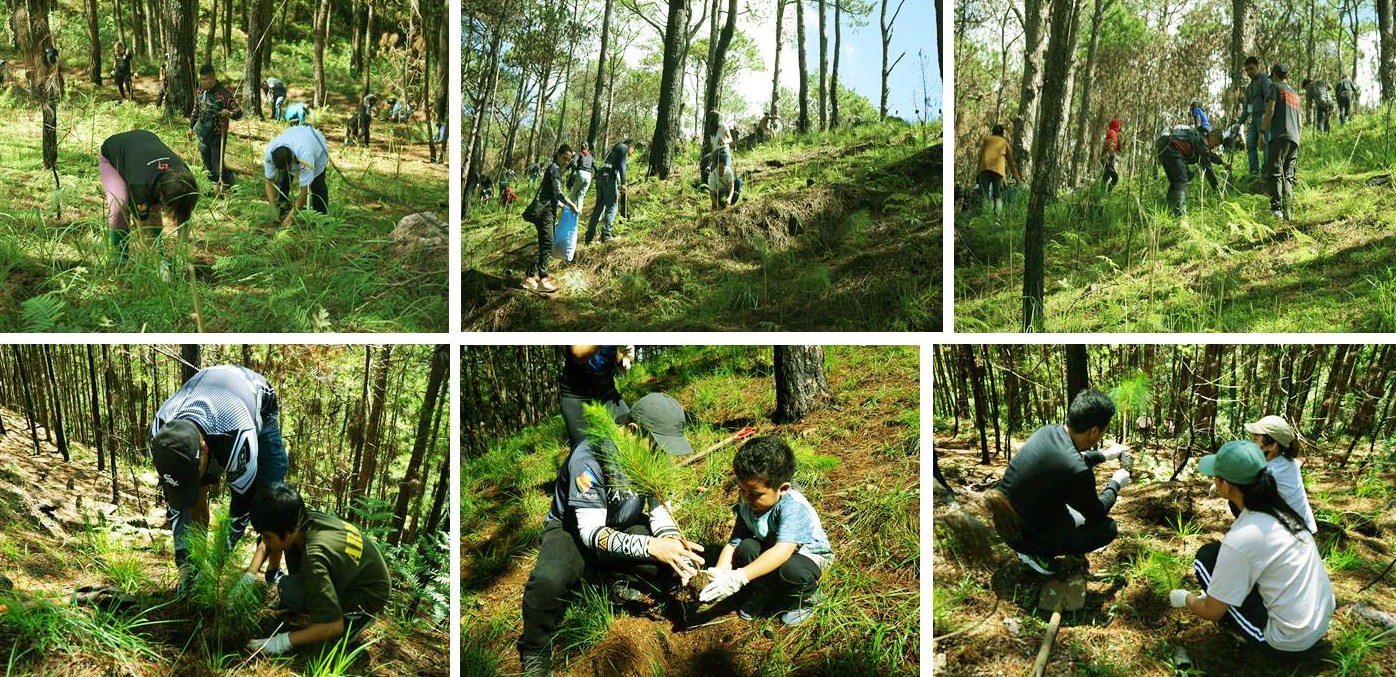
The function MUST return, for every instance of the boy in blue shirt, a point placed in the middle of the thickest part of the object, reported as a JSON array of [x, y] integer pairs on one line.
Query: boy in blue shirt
[[778, 532]]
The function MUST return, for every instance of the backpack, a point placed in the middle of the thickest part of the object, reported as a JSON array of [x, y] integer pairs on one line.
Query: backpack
[[1325, 97], [1344, 86]]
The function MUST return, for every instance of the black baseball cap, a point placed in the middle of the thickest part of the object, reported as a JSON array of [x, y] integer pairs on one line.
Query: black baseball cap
[[175, 451], [1280, 70], [662, 417]]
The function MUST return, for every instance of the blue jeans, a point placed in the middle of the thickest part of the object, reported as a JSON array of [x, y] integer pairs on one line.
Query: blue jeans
[[277, 106], [1252, 144], [607, 197]]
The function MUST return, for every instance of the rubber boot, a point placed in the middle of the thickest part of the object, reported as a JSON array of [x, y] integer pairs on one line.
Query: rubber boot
[[538, 664], [121, 246]]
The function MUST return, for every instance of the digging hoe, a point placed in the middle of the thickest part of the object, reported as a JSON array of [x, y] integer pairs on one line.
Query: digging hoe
[[1057, 595]]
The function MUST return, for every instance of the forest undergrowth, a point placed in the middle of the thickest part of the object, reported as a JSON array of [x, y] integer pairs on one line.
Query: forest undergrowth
[[1120, 262], [240, 270], [840, 230], [858, 465], [985, 600]]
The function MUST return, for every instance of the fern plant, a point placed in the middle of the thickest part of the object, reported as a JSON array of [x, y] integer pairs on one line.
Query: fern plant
[[219, 594], [42, 312]]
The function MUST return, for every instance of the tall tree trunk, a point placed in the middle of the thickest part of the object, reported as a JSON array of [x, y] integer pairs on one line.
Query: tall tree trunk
[[823, 68], [322, 31], [834, 75], [94, 46], [57, 403], [212, 30], [227, 28], [715, 66], [1025, 122], [96, 411], [976, 382], [486, 97], [189, 364], [666, 129], [594, 125], [775, 77], [800, 383], [1242, 43], [886, 25], [373, 435], [258, 23], [802, 124], [29, 411], [411, 480], [1386, 50], [107, 375], [367, 72], [1061, 43], [1078, 377], [567, 73], [1082, 140]]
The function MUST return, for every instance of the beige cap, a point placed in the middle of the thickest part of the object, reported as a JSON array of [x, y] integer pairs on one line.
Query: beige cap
[[1275, 426]]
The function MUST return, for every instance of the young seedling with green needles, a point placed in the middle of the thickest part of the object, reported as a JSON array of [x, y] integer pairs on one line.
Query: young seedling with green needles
[[228, 603]]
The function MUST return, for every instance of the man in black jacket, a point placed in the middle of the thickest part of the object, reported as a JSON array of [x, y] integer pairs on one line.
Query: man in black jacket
[[1050, 487]]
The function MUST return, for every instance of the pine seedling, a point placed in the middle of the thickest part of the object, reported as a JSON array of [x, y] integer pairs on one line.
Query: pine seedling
[[219, 593], [631, 465]]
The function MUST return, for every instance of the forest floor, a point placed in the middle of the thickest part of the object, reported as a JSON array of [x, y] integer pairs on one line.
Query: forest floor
[[1121, 263], [340, 272], [59, 532], [988, 601], [833, 231], [859, 465]]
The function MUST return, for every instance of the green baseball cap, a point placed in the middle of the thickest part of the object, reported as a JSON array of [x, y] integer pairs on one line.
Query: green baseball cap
[[662, 417], [1237, 461]]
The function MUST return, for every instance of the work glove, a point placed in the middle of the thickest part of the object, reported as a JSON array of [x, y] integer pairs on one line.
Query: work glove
[[726, 582], [1114, 451], [249, 579], [625, 356], [275, 645], [1179, 598], [1121, 477]]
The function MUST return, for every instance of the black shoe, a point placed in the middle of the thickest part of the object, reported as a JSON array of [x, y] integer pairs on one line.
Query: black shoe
[[536, 664]]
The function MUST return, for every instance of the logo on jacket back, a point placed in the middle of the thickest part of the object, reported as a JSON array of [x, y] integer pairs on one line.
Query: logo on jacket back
[[170, 480]]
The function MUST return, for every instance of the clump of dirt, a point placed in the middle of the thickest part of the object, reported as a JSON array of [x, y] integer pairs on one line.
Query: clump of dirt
[[689, 593], [1145, 605], [1166, 511]]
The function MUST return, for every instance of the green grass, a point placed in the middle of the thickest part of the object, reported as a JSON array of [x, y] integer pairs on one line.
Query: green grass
[[588, 617], [1162, 571], [850, 264], [1117, 264], [325, 273], [1351, 646]]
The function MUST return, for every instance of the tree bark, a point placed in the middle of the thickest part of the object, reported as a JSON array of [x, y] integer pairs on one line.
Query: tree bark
[[834, 75], [1024, 123], [373, 435], [94, 47], [322, 31], [1060, 44], [29, 412], [823, 68], [411, 482], [886, 26], [800, 383], [666, 129], [181, 19], [594, 125], [1386, 52], [1078, 377], [1083, 146], [802, 124], [775, 77]]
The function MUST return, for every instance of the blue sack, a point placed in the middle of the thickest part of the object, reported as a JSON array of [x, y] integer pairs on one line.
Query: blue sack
[[565, 235]]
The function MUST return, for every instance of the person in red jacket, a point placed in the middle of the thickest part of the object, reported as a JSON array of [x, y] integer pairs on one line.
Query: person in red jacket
[[1109, 153]]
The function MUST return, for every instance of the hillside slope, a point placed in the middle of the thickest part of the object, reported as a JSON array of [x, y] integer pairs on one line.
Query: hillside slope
[[1120, 263], [834, 231]]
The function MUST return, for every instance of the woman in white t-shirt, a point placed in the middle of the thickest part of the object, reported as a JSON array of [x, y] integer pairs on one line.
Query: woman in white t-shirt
[[1281, 446], [1265, 580]]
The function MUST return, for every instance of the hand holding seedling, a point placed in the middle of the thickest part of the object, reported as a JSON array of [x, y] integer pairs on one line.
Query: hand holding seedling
[[1127, 461], [726, 582], [1115, 451], [677, 553]]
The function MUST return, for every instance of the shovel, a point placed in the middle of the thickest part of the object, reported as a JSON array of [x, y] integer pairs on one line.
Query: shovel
[[1058, 595]]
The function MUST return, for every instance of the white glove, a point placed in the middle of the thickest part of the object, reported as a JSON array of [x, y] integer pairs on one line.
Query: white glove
[[1121, 476], [1179, 598], [249, 578], [272, 646], [1114, 451], [726, 582], [625, 356]]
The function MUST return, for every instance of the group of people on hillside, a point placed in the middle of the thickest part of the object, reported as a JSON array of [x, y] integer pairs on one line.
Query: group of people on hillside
[[1270, 123], [143, 178], [724, 189], [1264, 581], [597, 527], [581, 169]]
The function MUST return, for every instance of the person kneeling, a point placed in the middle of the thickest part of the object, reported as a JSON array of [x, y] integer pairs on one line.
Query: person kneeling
[[336, 573], [1265, 580]]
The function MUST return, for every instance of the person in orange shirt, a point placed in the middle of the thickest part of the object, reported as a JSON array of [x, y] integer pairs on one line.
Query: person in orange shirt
[[995, 164], [1109, 154]]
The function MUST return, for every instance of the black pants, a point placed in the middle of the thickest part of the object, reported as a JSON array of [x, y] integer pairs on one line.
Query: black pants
[[544, 229], [1281, 162], [1177, 171], [1111, 177], [211, 152], [123, 84], [1063, 537], [1321, 118], [290, 592], [562, 561], [319, 193], [576, 422], [1344, 109], [789, 586]]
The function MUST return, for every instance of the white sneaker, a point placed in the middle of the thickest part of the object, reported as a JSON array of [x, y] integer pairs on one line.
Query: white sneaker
[[1041, 565]]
